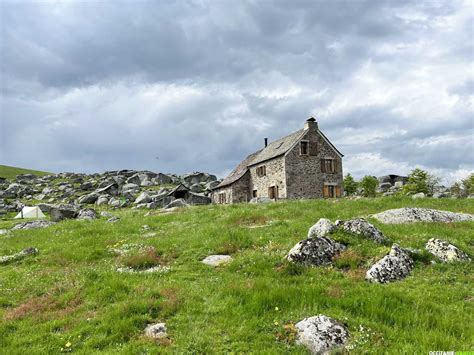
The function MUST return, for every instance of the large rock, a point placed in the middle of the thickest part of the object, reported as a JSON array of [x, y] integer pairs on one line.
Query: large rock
[[130, 188], [322, 228], [361, 227], [410, 215], [102, 200], [64, 211], [321, 334], [445, 251], [392, 267], [33, 224], [176, 203], [110, 189], [18, 256], [315, 251], [216, 260], [89, 198], [143, 198], [156, 331]]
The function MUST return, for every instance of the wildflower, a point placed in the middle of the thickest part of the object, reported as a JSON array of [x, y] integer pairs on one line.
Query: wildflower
[[275, 322], [277, 309], [68, 344]]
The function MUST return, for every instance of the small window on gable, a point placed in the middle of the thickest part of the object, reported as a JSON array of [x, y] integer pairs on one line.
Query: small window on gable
[[261, 171], [304, 147]]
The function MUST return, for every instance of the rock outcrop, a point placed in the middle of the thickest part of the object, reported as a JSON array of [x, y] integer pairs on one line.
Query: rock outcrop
[[445, 251], [315, 251], [17, 256], [411, 215], [395, 266], [216, 260], [321, 334], [33, 224]]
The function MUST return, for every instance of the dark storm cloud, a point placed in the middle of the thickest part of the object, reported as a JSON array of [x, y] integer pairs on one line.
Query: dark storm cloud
[[91, 86]]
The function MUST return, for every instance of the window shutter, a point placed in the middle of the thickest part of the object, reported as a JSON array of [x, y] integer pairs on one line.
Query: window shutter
[[338, 191], [325, 191], [323, 166]]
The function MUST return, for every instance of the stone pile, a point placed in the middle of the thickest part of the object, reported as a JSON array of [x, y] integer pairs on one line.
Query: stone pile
[[113, 188]]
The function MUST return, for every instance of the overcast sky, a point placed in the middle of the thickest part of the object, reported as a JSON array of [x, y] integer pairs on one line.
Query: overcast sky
[[180, 86]]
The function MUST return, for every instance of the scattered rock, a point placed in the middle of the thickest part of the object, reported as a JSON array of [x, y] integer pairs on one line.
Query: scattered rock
[[143, 198], [60, 212], [87, 213], [106, 214], [392, 267], [418, 196], [89, 198], [360, 226], [321, 334], [410, 215], [17, 256], [216, 260], [322, 228], [315, 251], [33, 224], [445, 251], [102, 200], [176, 203], [261, 200], [113, 219], [156, 331]]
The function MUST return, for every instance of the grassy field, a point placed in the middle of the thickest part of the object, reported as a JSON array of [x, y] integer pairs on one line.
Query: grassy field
[[70, 293], [10, 172]]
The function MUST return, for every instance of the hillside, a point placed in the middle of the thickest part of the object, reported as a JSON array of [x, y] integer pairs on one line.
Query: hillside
[[10, 172], [70, 297]]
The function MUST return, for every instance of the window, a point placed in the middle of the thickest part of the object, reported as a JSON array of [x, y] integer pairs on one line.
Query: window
[[328, 166], [222, 197], [261, 171], [304, 148], [254, 193]]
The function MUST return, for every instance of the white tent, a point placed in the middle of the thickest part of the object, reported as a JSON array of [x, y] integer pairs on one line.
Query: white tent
[[30, 212]]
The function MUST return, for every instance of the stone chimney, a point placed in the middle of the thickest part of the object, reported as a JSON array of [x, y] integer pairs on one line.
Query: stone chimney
[[311, 124]]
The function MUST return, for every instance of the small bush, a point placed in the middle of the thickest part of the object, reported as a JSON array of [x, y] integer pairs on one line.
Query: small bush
[[369, 185]]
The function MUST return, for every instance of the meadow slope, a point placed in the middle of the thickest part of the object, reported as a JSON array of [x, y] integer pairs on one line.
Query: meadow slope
[[70, 293], [10, 172]]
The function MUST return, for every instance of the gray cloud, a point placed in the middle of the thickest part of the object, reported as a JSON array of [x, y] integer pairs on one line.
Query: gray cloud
[[90, 86]]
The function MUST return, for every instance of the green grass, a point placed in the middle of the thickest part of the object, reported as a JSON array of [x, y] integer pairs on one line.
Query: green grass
[[10, 172], [70, 292]]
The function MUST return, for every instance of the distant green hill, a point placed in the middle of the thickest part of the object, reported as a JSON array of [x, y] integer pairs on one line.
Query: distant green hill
[[10, 172]]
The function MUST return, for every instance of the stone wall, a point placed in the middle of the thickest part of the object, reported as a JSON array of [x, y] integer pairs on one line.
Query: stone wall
[[275, 176], [304, 178], [237, 192]]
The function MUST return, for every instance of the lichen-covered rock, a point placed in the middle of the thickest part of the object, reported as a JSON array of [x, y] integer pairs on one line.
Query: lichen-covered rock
[[156, 331], [315, 251], [361, 227], [445, 251], [87, 213], [392, 267], [33, 224], [322, 228], [321, 334], [411, 215], [216, 260], [18, 256], [143, 198], [89, 198]]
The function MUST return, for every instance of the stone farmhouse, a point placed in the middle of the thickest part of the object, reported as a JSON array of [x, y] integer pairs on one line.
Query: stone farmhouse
[[304, 164]]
